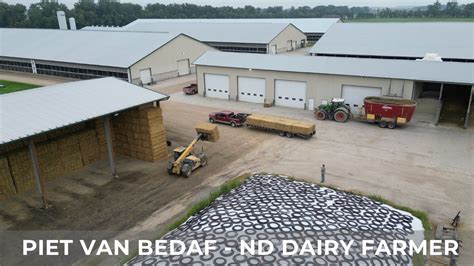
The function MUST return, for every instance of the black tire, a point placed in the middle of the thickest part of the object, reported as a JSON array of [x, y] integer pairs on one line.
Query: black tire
[[232, 124], [282, 133], [170, 169], [211, 120], [203, 160], [391, 125], [341, 116], [289, 134], [321, 115], [186, 170], [383, 124]]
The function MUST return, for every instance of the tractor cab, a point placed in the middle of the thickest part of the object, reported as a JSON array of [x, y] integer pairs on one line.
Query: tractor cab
[[338, 101]]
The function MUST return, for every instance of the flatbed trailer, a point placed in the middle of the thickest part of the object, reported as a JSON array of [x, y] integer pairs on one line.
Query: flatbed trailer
[[284, 126]]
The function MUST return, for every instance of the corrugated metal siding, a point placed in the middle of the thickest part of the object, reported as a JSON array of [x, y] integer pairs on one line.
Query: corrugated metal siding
[[30, 112]]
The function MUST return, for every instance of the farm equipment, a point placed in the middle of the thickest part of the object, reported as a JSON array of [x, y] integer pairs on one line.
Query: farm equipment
[[388, 112], [191, 89], [334, 110], [185, 160]]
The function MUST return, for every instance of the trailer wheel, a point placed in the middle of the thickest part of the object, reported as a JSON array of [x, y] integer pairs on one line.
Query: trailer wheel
[[282, 133], [341, 116], [391, 125], [211, 120], [383, 124], [289, 134], [232, 124], [321, 115]]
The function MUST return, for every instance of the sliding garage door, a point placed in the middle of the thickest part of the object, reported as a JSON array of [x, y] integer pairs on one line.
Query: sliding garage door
[[290, 93], [354, 96], [217, 86], [251, 89]]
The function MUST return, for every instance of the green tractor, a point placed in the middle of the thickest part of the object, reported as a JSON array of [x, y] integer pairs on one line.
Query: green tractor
[[334, 110]]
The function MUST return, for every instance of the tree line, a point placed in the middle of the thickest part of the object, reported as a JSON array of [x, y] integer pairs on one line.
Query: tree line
[[111, 13]]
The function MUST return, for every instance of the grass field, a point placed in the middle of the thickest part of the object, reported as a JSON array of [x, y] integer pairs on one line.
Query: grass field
[[379, 20], [11, 86]]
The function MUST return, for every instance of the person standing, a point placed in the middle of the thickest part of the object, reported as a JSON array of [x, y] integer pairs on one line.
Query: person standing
[[323, 173]]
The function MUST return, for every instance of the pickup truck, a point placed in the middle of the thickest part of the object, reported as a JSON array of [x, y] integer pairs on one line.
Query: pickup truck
[[228, 117], [191, 89]]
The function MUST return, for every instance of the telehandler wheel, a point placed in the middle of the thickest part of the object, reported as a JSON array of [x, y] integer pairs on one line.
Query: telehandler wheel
[[341, 116], [321, 115], [383, 124], [211, 120], [391, 125], [169, 168], [204, 160], [186, 170]]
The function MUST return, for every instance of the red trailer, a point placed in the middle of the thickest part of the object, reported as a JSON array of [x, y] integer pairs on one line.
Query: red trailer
[[388, 112]]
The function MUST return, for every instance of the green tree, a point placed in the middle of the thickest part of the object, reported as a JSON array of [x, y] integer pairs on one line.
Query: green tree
[[452, 8], [43, 15], [434, 10], [12, 15]]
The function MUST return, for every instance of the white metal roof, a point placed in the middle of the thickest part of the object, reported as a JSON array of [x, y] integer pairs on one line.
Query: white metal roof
[[448, 72], [30, 112], [306, 25], [255, 33], [111, 48], [448, 39]]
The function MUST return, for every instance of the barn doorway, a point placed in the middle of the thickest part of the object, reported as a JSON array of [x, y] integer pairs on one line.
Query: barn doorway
[[455, 100]]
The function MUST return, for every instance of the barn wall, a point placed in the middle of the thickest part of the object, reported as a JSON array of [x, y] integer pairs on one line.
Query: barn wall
[[164, 61], [319, 86], [289, 33]]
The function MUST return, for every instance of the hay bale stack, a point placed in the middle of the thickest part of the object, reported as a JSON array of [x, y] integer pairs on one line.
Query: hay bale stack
[[281, 124], [140, 133], [209, 130], [7, 188], [21, 170]]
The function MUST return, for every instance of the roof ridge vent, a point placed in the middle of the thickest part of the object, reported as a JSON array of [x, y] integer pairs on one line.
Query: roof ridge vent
[[431, 57]]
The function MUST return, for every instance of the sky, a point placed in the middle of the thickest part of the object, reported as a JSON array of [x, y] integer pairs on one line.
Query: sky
[[265, 3]]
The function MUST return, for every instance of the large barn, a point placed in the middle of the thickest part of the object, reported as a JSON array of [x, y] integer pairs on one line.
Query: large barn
[[141, 58], [444, 42], [53, 131], [313, 28], [263, 38], [306, 81]]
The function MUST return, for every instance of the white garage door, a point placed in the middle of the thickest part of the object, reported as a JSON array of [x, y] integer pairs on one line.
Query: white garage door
[[183, 67], [354, 96], [251, 89], [145, 76], [217, 86], [290, 93]]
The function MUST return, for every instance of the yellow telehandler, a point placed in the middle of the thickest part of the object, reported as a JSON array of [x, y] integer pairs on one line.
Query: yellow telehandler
[[185, 160]]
